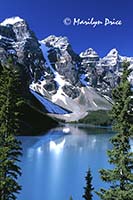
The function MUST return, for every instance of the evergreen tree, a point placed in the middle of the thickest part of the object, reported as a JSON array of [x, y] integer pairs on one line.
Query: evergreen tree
[[89, 188], [121, 157], [10, 148]]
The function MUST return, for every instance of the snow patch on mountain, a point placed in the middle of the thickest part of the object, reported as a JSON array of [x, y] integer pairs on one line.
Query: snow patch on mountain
[[113, 53], [60, 93], [57, 42], [57, 77], [112, 58], [6, 38], [45, 50], [90, 53], [12, 21]]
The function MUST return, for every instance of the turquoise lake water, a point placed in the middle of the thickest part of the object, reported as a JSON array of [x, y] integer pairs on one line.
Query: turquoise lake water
[[54, 165]]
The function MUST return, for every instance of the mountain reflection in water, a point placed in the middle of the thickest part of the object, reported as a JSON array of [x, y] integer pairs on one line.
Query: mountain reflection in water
[[54, 165]]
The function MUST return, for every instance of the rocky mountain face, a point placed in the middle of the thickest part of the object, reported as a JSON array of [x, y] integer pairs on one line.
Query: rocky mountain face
[[103, 73], [68, 85], [18, 40]]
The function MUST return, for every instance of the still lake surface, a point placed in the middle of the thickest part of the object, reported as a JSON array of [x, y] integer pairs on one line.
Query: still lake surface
[[54, 165]]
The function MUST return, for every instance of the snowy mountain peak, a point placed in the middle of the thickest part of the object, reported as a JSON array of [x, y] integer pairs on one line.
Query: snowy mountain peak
[[89, 53], [57, 42], [12, 21], [113, 53]]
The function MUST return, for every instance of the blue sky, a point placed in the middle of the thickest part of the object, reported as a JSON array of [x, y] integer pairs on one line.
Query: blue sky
[[45, 17]]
